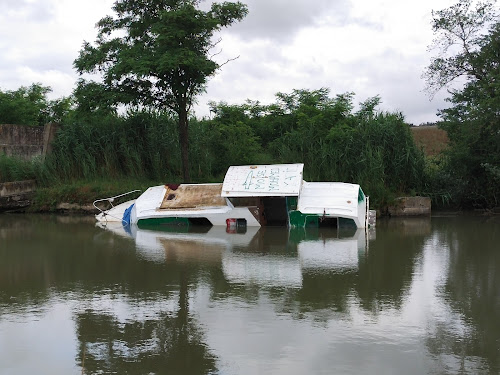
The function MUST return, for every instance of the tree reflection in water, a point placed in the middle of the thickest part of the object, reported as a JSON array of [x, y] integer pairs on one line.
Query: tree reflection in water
[[386, 273], [171, 343], [135, 300], [467, 338]]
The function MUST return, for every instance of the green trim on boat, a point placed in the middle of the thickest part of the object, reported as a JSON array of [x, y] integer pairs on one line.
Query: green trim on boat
[[291, 203], [169, 221], [361, 196], [300, 220]]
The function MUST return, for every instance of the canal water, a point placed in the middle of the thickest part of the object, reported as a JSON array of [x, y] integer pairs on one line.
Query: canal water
[[413, 296]]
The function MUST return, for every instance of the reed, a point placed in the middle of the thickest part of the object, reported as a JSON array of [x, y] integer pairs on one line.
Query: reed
[[16, 169], [140, 145], [378, 153], [373, 149]]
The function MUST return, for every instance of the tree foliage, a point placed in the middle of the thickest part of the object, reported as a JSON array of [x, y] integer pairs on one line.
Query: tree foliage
[[369, 147], [459, 30], [30, 106], [473, 121], [157, 54]]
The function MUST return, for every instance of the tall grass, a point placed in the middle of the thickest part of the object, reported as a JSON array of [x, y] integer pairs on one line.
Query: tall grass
[[375, 150], [140, 145], [378, 153], [16, 169]]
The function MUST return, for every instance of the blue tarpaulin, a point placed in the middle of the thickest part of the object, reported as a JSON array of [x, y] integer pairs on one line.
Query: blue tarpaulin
[[126, 215]]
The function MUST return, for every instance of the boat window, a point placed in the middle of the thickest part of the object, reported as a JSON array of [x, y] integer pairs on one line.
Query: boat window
[[346, 223], [245, 201]]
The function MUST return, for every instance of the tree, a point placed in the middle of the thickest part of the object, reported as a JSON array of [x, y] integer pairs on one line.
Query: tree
[[473, 120], [157, 53], [458, 31], [30, 106]]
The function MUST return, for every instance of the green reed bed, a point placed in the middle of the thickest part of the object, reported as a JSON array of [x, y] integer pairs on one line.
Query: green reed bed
[[93, 157], [16, 169]]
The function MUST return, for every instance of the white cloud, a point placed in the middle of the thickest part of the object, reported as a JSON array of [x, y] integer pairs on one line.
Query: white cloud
[[371, 47], [280, 20], [41, 39]]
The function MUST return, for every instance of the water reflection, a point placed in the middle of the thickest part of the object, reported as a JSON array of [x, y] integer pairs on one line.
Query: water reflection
[[267, 257], [417, 296], [466, 335]]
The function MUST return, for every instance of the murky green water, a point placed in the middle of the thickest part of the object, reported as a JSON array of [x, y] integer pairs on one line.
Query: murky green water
[[418, 296]]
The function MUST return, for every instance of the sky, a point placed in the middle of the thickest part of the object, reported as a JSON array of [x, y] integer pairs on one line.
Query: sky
[[369, 47]]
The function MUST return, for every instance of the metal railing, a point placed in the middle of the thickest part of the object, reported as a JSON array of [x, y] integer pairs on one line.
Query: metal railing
[[110, 200]]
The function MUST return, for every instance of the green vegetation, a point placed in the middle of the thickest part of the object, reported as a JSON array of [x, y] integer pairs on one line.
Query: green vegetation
[[85, 191], [469, 42], [30, 106], [100, 152], [15, 169], [163, 59], [374, 149]]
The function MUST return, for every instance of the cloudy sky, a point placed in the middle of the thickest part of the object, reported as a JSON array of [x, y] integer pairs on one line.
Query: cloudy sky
[[369, 47]]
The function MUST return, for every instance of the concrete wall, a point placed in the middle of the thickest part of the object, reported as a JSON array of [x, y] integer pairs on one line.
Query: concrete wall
[[15, 195], [16, 188], [26, 142], [411, 206]]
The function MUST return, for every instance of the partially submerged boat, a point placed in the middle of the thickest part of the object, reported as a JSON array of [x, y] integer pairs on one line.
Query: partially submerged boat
[[253, 196]]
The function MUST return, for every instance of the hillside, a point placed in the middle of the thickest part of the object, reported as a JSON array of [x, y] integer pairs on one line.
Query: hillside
[[432, 139]]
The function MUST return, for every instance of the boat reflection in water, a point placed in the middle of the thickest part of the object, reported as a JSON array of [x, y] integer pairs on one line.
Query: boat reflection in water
[[268, 257]]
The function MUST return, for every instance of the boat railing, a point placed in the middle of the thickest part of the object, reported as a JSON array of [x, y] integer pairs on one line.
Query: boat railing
[[110, 200]]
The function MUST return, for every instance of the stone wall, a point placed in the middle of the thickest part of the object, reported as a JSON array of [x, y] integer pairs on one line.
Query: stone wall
[[26, 142]]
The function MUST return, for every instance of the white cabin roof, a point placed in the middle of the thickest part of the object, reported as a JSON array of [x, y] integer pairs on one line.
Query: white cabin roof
[[263, 180], [330, 198]]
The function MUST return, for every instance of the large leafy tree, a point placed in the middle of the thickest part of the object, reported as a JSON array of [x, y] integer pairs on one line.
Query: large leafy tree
[[470, 41], [157, 54]]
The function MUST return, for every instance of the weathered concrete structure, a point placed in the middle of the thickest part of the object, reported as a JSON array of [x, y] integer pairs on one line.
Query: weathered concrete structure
[[411, 206], [16, 195], [26, 142]]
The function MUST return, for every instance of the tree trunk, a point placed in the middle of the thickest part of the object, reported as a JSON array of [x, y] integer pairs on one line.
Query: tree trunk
[[184, 143]]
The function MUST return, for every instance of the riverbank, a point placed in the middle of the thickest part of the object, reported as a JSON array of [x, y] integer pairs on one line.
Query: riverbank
[[76, 198]]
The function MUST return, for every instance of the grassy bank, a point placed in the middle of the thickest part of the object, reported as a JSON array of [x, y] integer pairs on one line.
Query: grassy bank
[[47, 199]]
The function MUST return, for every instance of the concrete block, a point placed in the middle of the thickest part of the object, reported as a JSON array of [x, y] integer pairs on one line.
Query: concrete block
[[411, 206], [16, 188]]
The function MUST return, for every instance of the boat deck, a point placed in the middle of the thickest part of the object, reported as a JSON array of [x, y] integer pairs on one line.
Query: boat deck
[[192, 197]]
